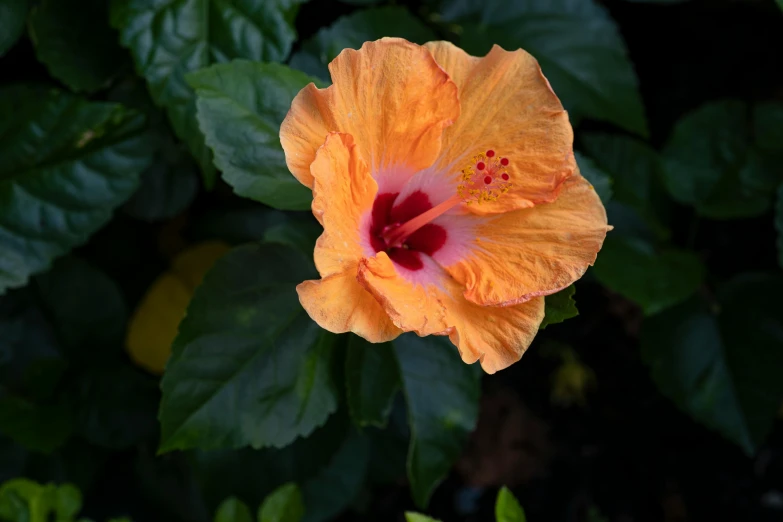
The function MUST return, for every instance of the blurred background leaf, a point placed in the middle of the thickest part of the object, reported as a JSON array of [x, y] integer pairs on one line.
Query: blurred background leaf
[[350, 32], [719, 368], [715, 162], [654, 278], [12, 17], [577, 44], [599, 179]]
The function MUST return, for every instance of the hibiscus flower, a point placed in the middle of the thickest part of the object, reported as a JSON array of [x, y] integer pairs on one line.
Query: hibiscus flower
[[449, 196]]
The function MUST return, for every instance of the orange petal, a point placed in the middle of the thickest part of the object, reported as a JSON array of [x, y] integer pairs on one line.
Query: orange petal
[[343, 192], [508, 106], [497, 336], [338, 303], [390, 95], [535, 251]]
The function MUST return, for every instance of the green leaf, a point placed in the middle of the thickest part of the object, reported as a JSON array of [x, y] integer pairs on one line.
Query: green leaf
[[241, 225], [166, 190], [73, 40], [442, 394], [779, 224], [637, 175], [25, 500], [577, 44], [418, 517], [297, 231], [12, 18], [599, 179], [283, 505], [252, 474], [372, 379], [171, 183], [559, 306], [240, 108], [507, 509], [713, 164], [336, 486], [248, 367], [65, 164], [723, 371], [233, 510], [169, 39], [350, 32], [655, 279]]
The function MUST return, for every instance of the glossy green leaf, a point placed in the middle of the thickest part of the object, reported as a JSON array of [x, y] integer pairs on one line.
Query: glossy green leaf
[[599, 179], [334, 488], [507, 508], [65, 164], [559, 306], [285, 504], [240, 108], [713, 163], [12, 17], [442, 394], [724, 370], [233, 510], [637, 175], [169, 39], [372, 379], [653, 278], [350, 32], [249, 367], [73, 39], [779, 224], [576, 42]]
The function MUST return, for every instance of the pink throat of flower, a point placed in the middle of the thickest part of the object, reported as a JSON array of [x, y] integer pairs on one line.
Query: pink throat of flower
[[485, 179], [405, 229]]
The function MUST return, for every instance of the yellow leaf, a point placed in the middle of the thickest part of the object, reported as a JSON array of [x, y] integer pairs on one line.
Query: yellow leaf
[[154, 325]]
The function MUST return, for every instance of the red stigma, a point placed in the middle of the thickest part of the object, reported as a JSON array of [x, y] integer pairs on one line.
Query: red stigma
[[490, 153], [504, 161], [480, 165], [504, 176], [488, 180]]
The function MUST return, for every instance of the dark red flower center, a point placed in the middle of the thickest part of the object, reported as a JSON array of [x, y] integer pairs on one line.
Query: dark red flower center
[[387, 212]]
